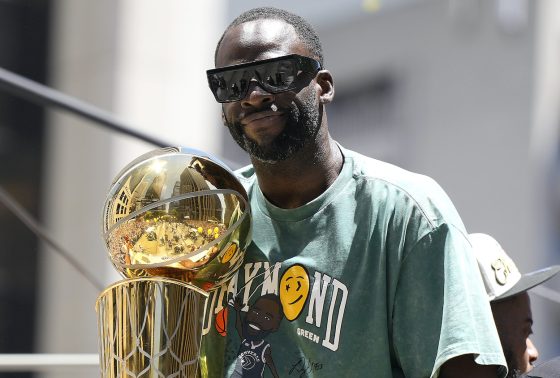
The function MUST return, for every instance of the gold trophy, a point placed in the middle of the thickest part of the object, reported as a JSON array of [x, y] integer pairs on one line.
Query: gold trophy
[[176, 224]]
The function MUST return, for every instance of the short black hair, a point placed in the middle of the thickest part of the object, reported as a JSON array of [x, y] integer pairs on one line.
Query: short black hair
[[303, 29]]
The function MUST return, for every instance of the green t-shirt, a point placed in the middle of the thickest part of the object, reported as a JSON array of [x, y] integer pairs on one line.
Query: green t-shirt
[[373, 278]]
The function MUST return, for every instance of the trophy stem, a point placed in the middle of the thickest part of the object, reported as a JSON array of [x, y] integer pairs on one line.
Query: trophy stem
[[150, 327]]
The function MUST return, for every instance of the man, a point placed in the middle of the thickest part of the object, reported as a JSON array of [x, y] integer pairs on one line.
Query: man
[[509, 300], [372, 262]]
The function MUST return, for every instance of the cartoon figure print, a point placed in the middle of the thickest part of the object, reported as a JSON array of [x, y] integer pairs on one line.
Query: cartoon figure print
[[264, 317]]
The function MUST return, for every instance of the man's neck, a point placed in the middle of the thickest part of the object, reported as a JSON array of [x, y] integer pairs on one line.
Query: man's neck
[[300, 179]]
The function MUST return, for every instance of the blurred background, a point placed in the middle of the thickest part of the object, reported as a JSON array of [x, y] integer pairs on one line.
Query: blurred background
[[465, 91]]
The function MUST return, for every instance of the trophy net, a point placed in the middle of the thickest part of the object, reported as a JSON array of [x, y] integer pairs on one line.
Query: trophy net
[[150, 328]]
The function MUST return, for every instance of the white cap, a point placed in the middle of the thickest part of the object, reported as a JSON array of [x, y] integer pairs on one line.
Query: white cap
[[501, 277]]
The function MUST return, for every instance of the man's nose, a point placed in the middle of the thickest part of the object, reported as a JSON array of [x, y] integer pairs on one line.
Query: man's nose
[[256, 96], [532, 351]]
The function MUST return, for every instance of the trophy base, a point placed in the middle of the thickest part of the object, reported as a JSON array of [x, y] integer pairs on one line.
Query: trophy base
[[150, 327]]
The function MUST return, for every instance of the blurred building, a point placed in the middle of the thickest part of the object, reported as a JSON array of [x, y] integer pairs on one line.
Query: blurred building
[[23, 49], [463, 91]]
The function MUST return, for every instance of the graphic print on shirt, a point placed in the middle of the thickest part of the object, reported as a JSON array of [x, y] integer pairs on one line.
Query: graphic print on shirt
[[294, 289], [312, 302], [264, 317]]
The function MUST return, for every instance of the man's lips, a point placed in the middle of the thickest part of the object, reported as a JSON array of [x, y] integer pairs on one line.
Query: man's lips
[[258, 116]]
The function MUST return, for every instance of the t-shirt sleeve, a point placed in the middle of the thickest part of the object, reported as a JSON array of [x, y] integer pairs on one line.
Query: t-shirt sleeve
[[441, 310]]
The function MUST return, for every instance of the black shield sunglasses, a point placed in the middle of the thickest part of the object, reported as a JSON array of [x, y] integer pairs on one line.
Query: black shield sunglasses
[[276, 75]]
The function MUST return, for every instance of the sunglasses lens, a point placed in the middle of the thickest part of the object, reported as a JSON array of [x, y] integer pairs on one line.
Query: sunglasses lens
[[277, 76], [229, 86]]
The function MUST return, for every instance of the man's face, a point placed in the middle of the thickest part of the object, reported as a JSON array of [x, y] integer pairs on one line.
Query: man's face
[[264, 133], [263, 317], [514, 322]]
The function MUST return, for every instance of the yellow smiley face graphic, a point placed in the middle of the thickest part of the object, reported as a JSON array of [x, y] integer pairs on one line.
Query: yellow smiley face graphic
[[229, 253], [294, 289]]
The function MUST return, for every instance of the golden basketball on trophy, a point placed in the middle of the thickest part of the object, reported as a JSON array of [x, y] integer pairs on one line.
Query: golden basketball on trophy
[[176, 223]]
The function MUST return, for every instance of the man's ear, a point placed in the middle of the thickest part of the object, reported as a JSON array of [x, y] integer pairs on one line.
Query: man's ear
[[325, 81]]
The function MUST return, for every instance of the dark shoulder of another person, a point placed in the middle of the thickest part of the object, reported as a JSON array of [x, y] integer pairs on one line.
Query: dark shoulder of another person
[[548, 369]]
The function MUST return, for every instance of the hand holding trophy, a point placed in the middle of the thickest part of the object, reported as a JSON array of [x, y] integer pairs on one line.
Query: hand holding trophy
[[176, 225]]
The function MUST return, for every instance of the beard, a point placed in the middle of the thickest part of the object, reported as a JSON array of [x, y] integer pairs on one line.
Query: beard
[[513, 372], [302, 124]]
